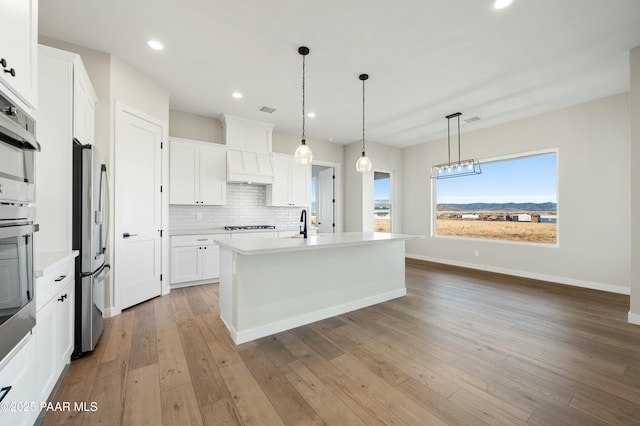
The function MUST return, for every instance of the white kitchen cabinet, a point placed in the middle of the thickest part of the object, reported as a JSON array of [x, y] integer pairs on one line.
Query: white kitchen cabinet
[[17, 380], [54, 331], [195, 259], [19, 49], [66, 102], [84, 105], [197, 172], [291, 185]]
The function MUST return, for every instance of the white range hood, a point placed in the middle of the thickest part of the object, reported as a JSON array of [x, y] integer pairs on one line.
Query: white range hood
[[248, 150], [249, 167]]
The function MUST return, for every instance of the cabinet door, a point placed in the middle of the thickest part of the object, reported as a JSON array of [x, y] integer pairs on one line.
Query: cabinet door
[[183, 173], [210, 262], [213, 175], [65, 323], [19, 47], [47, 359], [299, 184], [278, 193], [83, 106], [185, 264]]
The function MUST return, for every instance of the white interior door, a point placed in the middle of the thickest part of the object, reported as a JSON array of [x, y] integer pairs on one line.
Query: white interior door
[[138, 208], [325, 201]]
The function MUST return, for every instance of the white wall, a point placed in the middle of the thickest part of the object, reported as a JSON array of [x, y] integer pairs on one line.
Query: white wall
[[593, 196], [634, 114], [192, 126], [359, 187]]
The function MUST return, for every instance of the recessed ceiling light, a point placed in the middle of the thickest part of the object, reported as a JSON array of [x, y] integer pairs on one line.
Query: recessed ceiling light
[[155, 45], [237, 95], [311, 115], [501, 4]]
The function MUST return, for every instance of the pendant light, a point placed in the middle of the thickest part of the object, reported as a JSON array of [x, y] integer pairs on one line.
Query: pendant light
[[459, 168], [303, 154], [363, 164]]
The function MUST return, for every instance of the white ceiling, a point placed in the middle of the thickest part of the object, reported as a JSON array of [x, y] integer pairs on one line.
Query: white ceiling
[[426, 58]]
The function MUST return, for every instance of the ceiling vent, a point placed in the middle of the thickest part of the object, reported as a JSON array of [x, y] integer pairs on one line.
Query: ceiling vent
[[472, 119], [267, 109]]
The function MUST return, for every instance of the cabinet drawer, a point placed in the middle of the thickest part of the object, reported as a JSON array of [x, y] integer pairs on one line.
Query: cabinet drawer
[[51, 284], [17, 384], [196, 240]]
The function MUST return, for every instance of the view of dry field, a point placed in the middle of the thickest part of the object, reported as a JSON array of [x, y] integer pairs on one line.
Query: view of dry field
[[382, 225], [499, 230]]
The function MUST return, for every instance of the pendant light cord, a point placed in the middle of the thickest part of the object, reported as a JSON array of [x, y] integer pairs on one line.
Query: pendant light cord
[[449, 138], [303, 98], [363, 116], [459, 139]]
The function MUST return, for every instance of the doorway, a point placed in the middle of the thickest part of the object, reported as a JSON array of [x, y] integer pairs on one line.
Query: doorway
[[382, 211], [138, 206], [323, 199]]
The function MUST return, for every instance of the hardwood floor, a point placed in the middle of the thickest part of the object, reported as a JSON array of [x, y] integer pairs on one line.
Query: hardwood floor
[[462, 348]]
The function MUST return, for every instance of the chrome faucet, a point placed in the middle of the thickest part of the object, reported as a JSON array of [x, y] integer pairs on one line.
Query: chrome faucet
[[303, 218]]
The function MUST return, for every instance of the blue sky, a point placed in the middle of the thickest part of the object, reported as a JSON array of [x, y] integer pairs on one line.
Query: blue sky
[[527, 179], [381, 189]]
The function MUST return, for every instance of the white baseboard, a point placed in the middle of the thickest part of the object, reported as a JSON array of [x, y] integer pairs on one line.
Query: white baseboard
[[525, 274], [278, 326], [193, 283], [111, 312], [634, 318]]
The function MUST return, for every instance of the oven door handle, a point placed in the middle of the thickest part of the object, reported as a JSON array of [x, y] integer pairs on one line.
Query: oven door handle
[[18, 230], [20, 137]]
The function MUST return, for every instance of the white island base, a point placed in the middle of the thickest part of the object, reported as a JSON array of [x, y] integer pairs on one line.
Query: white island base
[[273, 285]]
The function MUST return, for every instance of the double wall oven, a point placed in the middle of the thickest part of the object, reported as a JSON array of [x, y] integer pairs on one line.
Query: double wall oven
[[17, 191]]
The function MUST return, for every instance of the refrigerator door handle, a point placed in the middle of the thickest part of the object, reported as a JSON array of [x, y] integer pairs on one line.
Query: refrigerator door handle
[[104, 206]]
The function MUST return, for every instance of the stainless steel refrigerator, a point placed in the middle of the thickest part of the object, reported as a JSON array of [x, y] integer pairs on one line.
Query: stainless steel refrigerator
[[90, 237]]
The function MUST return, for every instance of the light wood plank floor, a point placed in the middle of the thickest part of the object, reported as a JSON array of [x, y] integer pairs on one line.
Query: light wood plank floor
[[463, 348]]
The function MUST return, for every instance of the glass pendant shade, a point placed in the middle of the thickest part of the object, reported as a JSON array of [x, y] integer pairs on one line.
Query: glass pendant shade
[[303, 154], [363, 164]]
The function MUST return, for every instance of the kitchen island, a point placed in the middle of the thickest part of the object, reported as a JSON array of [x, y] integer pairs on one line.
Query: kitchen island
[[272, 285]]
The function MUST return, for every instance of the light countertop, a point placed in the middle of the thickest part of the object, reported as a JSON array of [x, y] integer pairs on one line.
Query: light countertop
[[45, 262], [319, 241]]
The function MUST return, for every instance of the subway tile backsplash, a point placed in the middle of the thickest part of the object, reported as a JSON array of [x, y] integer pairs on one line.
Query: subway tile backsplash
[[245, 206]]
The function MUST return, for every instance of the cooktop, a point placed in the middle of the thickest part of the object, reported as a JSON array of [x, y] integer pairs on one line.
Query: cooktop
[[236, 228]]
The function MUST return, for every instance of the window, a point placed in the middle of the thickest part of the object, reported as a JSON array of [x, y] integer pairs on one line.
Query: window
[[514, 199], [382, 202]]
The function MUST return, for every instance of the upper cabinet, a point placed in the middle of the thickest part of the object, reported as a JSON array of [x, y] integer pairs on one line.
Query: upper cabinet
[[197, 172], [19, 50], [58, 116], [84, 106], [291, 182]]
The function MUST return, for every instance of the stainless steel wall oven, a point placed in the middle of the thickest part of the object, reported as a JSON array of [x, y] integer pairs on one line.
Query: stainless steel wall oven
[[17, 216]]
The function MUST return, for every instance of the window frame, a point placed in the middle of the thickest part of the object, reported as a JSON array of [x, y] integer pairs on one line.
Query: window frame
[[482, 161]]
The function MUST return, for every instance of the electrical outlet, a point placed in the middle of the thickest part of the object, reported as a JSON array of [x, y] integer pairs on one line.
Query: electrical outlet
[[476, 252], [199, 215]]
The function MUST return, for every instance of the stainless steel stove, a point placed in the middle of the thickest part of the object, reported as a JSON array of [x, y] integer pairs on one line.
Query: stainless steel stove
[[248, 227]]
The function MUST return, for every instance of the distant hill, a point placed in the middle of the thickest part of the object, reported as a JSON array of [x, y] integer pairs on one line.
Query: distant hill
[[540, 207]]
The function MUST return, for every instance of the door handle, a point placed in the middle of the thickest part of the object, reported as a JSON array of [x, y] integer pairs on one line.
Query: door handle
[[127, 235]]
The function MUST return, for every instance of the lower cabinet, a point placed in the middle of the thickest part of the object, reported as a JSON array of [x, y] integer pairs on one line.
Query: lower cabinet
[[17, 386], [195, 258], [54, 329]]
